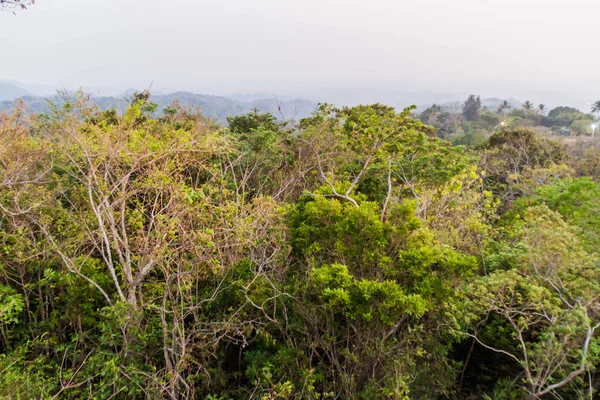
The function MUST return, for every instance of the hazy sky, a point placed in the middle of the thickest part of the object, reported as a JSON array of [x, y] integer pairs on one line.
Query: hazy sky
[[219, 46]]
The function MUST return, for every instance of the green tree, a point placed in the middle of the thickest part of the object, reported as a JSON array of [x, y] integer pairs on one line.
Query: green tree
[[595, 108], [555, 112], [546, 302], [471, 108], [431, 115], [132, 229], [527, 106], [509, 153], [247, 123], [542, 109], [505, 105]]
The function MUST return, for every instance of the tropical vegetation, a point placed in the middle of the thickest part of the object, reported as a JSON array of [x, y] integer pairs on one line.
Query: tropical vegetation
[[354, 254]]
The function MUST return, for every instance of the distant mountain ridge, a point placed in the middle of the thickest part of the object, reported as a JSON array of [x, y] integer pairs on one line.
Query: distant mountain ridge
[[10, 91], [218, 107], [34, 89], [293, 104]]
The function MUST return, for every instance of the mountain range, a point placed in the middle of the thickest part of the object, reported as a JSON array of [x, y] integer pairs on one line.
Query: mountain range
[[293, 105], [36, 100]]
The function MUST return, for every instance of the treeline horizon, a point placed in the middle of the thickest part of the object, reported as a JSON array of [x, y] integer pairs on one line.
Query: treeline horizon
[[213, 106], [359, 253]]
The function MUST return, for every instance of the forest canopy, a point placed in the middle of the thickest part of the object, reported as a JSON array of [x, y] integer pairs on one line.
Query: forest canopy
[[353, 254]]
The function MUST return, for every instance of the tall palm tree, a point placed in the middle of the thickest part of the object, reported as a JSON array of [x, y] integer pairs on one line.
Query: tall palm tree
[[542, 109], [505, 105], [527, 106], [596, 107]]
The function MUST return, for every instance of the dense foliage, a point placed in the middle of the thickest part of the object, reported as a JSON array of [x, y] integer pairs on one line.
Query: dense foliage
[[351, 255], [473, 122]]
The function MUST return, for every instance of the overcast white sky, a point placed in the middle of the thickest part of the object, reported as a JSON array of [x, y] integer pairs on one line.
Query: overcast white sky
[[220, 46]]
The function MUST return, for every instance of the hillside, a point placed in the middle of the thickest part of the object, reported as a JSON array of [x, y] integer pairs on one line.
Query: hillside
[[10, 91], [218, 107]]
